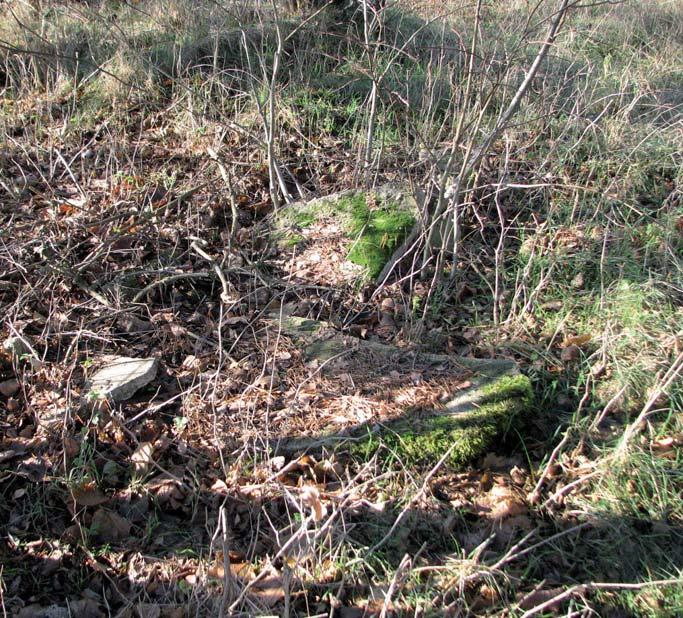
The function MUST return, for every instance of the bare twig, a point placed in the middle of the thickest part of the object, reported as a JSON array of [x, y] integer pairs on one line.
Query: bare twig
[[226, 295], [583, 588], [169, 279], [231, 192]]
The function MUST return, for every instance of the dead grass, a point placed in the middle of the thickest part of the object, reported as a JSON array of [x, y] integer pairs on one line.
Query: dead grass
[[177, 502]]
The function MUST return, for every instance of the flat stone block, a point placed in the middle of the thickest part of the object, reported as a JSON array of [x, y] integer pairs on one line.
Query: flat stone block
[[420, 405], [119, 379]]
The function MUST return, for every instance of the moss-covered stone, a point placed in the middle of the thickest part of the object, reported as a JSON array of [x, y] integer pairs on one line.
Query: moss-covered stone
[[485, 396], [424, 440], [374, 223], [376, 231]]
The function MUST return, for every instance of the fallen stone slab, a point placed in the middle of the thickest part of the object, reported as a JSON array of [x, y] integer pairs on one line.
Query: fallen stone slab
[[16, 346], [121, 378], [418, 405], [354, 237], [20, 350]]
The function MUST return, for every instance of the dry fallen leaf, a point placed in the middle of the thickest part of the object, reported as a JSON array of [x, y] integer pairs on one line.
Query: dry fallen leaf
[[496, 462], [220, 487], [269, 590], [505, 503], [664, 443], [244, 571], [72, 534], [109, 527], [88, 494], [142, 458], [310, 496], [570, 354], [518, 475], [488, 596], [71, 448], [552, 305], [168, 491], [667, 447], [577, 340], [471, 335]]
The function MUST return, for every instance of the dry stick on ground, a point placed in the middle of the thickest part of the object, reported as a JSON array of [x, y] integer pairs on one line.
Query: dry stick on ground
[[231, 192], [405, 565], [79, 281], [169, 279], [186, 195], [226, 296], [648, 409], [581, 588], [229, 587], [608, 408], [514, 553], [563, 491]]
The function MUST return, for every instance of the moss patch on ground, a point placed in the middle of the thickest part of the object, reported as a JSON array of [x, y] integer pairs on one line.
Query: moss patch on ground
[[423, 441]]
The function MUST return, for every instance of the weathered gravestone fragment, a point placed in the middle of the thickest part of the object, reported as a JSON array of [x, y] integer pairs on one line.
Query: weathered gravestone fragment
[[421, 406], [121, 378], [347, 237]]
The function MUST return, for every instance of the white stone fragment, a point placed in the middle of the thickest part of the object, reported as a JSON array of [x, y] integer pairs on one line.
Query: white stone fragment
[[16, 346], [119, 379]]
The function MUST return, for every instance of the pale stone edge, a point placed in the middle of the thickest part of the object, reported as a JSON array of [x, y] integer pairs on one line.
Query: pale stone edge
[[487, 372], [114, 394]]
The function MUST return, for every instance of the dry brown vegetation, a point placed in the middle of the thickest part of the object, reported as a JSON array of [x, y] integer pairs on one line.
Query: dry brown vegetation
[[144, 147]]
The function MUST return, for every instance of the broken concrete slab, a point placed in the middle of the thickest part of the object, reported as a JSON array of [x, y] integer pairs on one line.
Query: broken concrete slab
[[121, 378], [420, 406]]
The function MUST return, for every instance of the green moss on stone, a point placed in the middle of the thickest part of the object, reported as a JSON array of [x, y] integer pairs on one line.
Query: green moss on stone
[[374, 232], [304, 218], [377, 232], [423, 441], [291, 240]]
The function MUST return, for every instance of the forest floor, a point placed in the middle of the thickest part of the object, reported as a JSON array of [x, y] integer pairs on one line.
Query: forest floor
[[134, 164]]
